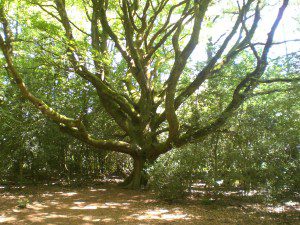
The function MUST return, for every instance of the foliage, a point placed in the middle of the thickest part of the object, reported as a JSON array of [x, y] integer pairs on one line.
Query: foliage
[[172, 175], [22, 203], [256, 152], [83, 82]]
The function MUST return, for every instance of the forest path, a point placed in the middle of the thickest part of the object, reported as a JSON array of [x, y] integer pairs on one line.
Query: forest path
[[109, 204]]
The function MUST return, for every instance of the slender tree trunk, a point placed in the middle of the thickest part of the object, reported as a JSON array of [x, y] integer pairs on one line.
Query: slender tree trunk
[[21, 170], [21, 165], [215, 159]]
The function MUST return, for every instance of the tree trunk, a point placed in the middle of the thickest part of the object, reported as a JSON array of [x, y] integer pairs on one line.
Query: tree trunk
[[137, 178]]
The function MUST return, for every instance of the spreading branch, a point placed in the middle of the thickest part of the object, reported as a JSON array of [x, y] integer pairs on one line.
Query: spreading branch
[[75, 125]]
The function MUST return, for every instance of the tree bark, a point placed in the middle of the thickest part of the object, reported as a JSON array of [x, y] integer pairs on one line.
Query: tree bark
[[138, 177]]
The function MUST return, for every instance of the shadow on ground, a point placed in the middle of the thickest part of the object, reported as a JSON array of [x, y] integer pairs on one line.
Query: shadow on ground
[[108, 204]]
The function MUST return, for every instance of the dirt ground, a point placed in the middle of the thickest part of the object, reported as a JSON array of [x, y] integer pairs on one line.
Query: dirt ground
[[109, 204]]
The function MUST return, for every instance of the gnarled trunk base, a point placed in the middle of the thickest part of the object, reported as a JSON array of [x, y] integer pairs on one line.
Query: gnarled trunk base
[[138, 176]]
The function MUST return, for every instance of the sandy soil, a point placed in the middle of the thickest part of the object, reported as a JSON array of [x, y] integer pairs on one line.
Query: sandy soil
[[109, 204]]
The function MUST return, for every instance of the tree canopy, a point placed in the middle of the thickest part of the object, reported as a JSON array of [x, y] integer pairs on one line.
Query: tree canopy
[[138, 65]]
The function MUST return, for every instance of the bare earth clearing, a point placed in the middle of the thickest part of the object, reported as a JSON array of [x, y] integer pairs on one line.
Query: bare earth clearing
[[109, 204]]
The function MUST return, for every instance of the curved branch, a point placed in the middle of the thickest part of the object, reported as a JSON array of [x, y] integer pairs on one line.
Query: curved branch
[[285, 80], [243, 90], [75, 126], [102, 87], [178, 67], [212, 67], [111, 145], [255, 94], [113, 36]]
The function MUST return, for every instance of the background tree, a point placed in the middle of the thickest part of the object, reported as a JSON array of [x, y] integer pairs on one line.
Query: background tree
[[135, 58]]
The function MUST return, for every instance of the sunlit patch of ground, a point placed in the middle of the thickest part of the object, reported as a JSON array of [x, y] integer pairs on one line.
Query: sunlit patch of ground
[[108, 204]]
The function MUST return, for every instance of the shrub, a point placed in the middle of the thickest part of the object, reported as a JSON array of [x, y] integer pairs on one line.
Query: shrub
[[171, 176]]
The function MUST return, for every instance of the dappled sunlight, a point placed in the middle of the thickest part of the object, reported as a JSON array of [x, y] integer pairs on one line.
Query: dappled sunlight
[[108, 205], [11, 197], [121, 194], [98, 218], [79, 202], [36, 206], [293, 204], [287, 206], [149, 200], [107, 220], [54, 202], [90, 219], [112, 205], [54, 215], [139, 196], [36, 217], [43, 217], [277, 209], [47, 195], [61, 206], [198, 185], [4, 219], [160, 214], [97, 189], [67, 194], [17, 210], [131, 200], [85, 207]]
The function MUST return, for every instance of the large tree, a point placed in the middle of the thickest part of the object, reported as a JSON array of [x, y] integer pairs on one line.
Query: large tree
[[136, 57]]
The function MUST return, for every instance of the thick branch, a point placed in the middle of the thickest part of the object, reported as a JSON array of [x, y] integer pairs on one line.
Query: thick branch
[[255, 94], [284, 80], [243, 89], [103, 89], [111, 145], [212, 68], [76, 126], [178, 67], [113, 36]]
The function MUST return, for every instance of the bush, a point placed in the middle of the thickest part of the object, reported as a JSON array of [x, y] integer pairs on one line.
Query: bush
[[172, 176]]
